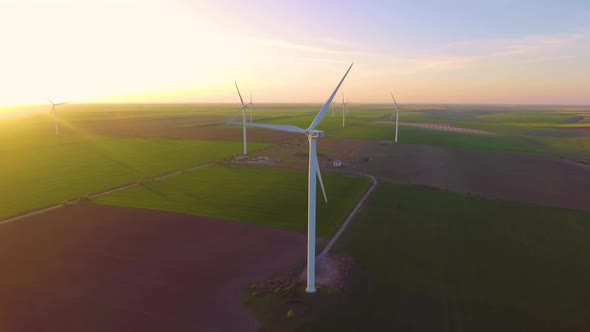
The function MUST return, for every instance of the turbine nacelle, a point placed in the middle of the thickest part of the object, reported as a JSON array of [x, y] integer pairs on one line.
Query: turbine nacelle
[[314, 133]]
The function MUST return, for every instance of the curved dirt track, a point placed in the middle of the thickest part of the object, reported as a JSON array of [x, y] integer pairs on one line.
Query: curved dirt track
[[90, 267], [531, 179]]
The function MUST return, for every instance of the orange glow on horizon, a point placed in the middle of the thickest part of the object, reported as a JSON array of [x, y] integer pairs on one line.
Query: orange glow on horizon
[[158, 51]]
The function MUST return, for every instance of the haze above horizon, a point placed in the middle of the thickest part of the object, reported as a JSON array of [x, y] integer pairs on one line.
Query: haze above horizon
[[500, 52]]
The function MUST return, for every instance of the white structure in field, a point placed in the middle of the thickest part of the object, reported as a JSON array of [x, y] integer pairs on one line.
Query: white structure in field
[[337, 163], [396, 112], [344, 110], [244, 107], [250, 106], [314, 173], [54, 113], [332, 107]]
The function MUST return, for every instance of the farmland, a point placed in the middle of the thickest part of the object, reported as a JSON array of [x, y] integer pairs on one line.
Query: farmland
[[467, 255], [268, 197], [41, 169], [528, 130], [428, 260], [517, 177], [51, 172], [92, 267], [103, 146]]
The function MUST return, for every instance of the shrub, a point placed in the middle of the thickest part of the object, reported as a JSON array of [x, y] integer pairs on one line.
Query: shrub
[[290, 314]]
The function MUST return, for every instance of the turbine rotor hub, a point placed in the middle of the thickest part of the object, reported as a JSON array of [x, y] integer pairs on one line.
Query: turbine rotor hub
[[315, 133]]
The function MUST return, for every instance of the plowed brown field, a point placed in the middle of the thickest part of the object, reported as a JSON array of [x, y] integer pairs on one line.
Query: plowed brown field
[[101, 268]]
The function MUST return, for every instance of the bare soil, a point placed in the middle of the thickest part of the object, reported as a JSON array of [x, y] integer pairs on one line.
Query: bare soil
[[90, 267], [580, 130], [531, 179]]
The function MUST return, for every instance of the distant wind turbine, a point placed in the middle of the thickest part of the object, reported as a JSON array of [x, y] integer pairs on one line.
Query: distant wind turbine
[[332, 106], [251, 106], [396, 112], [54, 113], [346, 104], [314, 171], [244, 107], [344, 110]]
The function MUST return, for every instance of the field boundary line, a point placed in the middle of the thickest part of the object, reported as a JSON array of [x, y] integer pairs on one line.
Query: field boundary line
[[30, 214], [102, 193], [155, 178], [350, 216]]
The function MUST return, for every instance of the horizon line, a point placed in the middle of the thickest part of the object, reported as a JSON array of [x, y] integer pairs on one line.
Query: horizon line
[[307, 103]]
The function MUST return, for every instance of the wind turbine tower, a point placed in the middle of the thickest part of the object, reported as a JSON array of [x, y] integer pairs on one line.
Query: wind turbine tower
[[344, 110], [54, 113], [244, 107], [314, 173], [250, 106], [396, 111]]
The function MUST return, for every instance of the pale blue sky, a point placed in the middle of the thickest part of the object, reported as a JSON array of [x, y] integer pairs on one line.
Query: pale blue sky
[[294, 51], [421, 25]]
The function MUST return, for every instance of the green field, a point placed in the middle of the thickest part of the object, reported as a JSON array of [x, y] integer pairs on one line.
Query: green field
[[414, 135], [78, 163], [519, 129], [435, 261], [263, 196], [423, 259], [533, 117], [42, 171]]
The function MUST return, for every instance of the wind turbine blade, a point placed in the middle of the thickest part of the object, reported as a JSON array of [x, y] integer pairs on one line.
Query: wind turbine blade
[[395, 103], [290, 129], [319, 173], [51, 101], [322, 113], [392, 97], [250, 98], [67, 102], [239, 94]]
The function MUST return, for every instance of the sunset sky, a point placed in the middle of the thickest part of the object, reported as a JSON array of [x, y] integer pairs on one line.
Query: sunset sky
[[500, 51]]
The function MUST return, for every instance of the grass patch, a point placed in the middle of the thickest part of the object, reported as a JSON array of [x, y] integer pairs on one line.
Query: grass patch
[[409, 134], [262, 196], [438, 261], [545, 117], [41, 171]]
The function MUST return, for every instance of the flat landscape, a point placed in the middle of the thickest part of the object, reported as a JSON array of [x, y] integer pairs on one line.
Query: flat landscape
[[262, 196], [92, 164], [416, 166], [459, 224], [99, 268], [525, 178], [429, 260]]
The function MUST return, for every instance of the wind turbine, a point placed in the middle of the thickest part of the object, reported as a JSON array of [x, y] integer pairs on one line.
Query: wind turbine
[[332, 106], [396, 110], [344, 108], [346, 104], [251, 106], [54, 113], [244, 107], [314, 171]]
